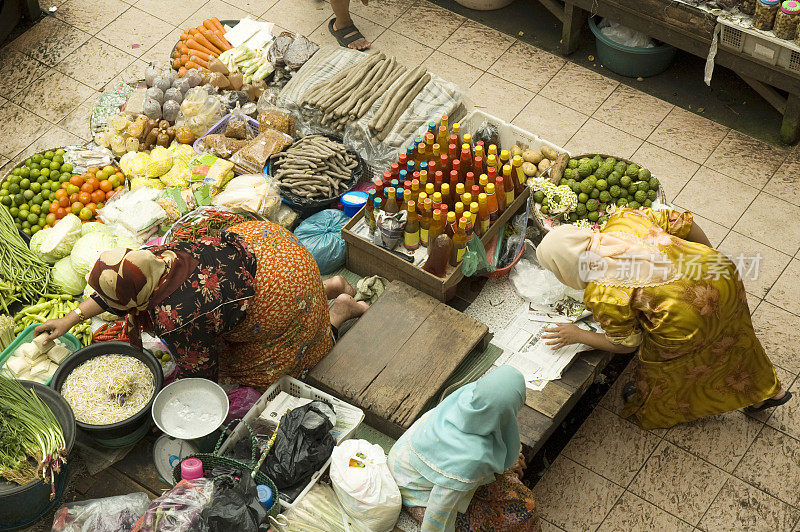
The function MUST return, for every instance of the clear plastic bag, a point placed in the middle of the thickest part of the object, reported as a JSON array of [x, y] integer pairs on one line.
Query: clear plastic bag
[[110, 514], [273, 117], [200, 110], [320, 509], [251, 192], [253, 157], [179, 510], [475, 261], [537, 284]]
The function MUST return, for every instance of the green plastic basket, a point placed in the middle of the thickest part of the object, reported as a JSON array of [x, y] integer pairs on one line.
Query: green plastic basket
[[213, 459], [71, 343], [628, 60]]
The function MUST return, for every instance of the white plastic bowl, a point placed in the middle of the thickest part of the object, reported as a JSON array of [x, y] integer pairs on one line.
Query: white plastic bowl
[[190, 408]]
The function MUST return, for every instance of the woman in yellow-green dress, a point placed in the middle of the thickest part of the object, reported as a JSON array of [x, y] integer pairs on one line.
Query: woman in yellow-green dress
[[654, 283]]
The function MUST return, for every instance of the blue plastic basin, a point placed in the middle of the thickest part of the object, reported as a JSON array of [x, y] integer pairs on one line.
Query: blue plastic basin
[[629, 61]]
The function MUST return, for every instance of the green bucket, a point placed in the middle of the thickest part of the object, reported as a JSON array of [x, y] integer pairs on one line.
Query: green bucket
[[629, 61]]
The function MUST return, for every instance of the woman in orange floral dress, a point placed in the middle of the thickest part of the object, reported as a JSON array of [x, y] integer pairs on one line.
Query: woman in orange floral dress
[[655, 284], [248, 307]]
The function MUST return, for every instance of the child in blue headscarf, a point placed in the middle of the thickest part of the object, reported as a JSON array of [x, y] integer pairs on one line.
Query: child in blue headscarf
[[453, 466]]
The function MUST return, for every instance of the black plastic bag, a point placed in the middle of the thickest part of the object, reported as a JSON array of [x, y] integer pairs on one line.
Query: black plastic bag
[[303, 445], [235, 505]]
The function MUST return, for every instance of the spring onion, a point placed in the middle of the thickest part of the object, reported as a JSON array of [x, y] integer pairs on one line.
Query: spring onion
[[6, 331], [29, 433], [19, 265]]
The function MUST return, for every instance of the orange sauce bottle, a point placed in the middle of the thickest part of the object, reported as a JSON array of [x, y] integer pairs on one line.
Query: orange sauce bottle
[[475, 191], [491, 173], [430, 188], [425, 222], [483, 214], [466, 140], [492, 150], [421, 201], [368, 213], [508, 184], [456, 130], [491, 203], [442, 135], [466, 199], [450, 225], [411, 232], [474, 208], [414, 190], [454, 179], [423, 179], [421, 153], [459, 242], [437, 201], [469, 180], [478, 165], [465, 158], [429, 142], [459, 190], [437, 226], [504, 158], [436, 151], [391, 205], [491, 161], [447, 199], [483, 181], [458, 208], [500, 194]]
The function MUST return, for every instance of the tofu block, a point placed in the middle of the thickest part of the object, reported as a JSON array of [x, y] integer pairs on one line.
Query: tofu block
[[58, 353], [41, 344], [17, 364], [40, 368], [29, 351]]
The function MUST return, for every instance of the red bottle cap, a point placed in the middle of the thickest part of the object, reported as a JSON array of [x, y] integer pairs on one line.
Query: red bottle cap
[[457, 166], [402, 160], [451, 151], [394, 169], [453, 178]]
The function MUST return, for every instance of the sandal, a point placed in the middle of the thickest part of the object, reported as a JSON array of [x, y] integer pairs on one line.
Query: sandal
[[770, 403], [346, 36], [628, 391]]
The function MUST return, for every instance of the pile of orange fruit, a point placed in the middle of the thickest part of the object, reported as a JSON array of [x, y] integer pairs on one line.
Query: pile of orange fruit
[[83, 194]]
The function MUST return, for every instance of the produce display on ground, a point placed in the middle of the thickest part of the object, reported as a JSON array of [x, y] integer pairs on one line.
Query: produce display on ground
[[591, 187], [240, 125], [32, 439]]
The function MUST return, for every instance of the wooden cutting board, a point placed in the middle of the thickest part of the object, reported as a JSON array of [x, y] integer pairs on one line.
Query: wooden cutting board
[[397, 357]]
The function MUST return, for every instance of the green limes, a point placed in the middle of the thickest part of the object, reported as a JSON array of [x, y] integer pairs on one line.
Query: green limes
[[592, 205], [640, 196], [584, 169], [652, 195], [644, 186], [632, 170], [601, 184], [581, 209], [605, 196], [583, 197], [654, 184], [634, 205], [621, 202], [593, 216], [538, 196], [594, 193], [586, 186], [614, 191], [572, 164]]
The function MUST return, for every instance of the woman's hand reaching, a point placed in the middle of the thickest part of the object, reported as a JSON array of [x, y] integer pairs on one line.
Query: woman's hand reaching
[[55, 328], [563, 334]]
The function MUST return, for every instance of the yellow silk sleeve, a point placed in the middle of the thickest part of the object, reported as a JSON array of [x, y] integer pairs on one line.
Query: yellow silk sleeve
[[611, 307], [677, 223]]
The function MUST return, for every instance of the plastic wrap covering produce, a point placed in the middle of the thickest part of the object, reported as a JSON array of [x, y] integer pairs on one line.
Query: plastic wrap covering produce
[[181, 509], [109, 514], [379, 104], [251, 192]]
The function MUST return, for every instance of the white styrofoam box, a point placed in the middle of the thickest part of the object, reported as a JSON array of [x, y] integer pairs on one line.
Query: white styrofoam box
[[509, 133], [348, 418]]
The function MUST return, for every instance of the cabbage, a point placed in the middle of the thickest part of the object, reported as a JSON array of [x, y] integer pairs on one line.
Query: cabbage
[[59, 240], [94, 227], [88, 249], [66, 278], [35, 244], [128, 242]]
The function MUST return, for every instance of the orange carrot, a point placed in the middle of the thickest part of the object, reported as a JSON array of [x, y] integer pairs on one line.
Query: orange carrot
[[176, 54], [182, 71], [190, 64], [202, 55], [201, 39], [176, 63], [183, 48], [220, 28], [191, 31], [207, 24], [197, 61], [185, 36], [192, 44], [215, 40]]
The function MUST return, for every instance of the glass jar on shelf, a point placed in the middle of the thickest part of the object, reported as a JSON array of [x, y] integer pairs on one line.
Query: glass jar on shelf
[[764, 17], [786, 20]]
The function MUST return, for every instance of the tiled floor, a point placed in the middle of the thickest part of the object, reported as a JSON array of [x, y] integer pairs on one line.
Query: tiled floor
[[726, 473]]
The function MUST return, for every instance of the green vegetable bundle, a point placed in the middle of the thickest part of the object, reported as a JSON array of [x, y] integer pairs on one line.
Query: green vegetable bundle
[[19, 266], [50, 307], [31, 438]]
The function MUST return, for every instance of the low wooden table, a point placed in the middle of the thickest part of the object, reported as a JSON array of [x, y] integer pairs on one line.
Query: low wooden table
[[692, 30], [395, 360]]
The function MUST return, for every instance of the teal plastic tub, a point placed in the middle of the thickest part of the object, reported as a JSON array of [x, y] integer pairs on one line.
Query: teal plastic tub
[[629, 61], [70, 342]]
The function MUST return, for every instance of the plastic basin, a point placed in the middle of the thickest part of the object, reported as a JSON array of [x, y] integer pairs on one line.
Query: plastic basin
[[72, 343], [22, 505], [129, 430], [629, 61]]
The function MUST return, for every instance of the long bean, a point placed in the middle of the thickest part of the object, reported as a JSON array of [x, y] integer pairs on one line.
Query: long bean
[[18, 265]]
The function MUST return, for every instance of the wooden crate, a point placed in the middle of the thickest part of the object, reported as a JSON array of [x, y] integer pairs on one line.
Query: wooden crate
[[366, 258]]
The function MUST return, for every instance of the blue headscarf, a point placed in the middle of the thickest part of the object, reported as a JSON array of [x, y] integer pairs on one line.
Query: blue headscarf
[[472, 434]]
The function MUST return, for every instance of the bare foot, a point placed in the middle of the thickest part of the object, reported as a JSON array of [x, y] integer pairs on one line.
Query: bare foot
[[358, 44], [346, 308], [519, 467], [336, 286]]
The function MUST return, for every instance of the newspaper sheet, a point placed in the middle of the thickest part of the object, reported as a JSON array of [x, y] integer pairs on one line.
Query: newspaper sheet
[[525, 349]]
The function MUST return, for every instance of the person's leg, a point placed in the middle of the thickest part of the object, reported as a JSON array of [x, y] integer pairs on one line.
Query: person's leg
[[346, 308], [341, 10], [336, 286]]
